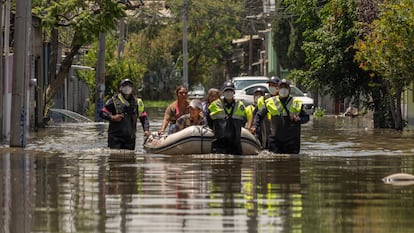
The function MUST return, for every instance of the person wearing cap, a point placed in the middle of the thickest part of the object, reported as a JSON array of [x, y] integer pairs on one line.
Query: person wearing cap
[[258, 93], [175, 110], [195, 117], [122, 111], [262, 132], [274, 85], [226, 116], [258, 102], [286, 117]]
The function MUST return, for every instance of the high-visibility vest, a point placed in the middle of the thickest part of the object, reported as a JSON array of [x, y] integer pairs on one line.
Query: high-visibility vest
[[275, 107], [218, 111], [121, 98]]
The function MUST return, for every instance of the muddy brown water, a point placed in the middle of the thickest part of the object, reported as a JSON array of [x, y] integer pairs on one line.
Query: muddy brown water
[[65, 180]]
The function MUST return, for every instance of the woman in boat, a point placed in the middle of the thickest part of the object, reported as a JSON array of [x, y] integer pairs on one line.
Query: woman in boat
[[175, 110], [195, 117]]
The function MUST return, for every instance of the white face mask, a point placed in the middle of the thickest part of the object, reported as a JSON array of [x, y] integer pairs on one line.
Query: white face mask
[[283, 92], [273, 90], [127, 90], [228, 95]]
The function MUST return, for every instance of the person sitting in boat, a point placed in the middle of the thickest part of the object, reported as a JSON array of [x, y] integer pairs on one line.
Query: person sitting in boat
[[226, 117], [122, 111], [212, 95], [287, 115], [175, 110], [195, 117]]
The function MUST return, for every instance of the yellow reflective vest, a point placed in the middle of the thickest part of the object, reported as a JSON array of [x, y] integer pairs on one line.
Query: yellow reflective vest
[[218, 111], [275, 107], [121, 98]]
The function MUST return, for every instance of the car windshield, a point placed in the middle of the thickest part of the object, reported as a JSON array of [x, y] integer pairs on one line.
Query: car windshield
[[294, 91], [251, 90], [242, 83]]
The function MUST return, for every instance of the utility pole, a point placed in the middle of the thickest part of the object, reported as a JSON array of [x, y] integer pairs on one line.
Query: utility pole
[[7, 93], [23, 18], [185, 48], [250, 70], [100, 76], [1, 76]]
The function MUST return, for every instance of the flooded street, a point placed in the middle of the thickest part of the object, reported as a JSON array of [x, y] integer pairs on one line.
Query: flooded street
[[65, 180]]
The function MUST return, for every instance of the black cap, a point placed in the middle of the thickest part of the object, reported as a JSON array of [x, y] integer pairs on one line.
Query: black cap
[[259, 89], [228, 86], [284, 81], [274, 79], [125, 82]]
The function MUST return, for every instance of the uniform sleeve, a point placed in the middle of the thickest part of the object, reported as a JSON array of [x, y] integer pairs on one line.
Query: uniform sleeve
[[144, 121], [108, 110], [259, 116]]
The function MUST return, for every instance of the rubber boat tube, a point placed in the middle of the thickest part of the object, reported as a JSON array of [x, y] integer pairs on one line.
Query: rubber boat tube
[[195, 140]]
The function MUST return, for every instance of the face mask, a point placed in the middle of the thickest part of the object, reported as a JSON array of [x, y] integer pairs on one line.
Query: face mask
[[228, 95], [283, 92], [273, 90], [126, 90]]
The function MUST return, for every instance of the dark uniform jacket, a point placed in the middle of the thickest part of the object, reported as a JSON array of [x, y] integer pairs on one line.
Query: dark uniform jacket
[[226, 120], [121, 135], [284, 133]]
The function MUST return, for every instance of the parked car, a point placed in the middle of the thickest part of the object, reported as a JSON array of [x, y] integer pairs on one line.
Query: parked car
[[244, 81], [197, 92], [246, 95]]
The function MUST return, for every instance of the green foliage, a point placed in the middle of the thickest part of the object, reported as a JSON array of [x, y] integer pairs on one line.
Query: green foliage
[[289, 25], [85, 19], [116, 68], [389, 50], [319, 112], [330, 52], [211, 25]]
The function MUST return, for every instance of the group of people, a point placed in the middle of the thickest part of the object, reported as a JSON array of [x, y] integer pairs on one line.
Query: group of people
[[275, 120]]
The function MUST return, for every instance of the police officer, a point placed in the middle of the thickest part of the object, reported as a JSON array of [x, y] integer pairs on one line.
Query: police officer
[[251, 110], [122, 112], [226, 117], [262, 132], [286, 117]]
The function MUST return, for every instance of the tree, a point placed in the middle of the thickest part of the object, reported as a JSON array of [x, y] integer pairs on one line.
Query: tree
[[388, 50], [211, 24], [75, 23]]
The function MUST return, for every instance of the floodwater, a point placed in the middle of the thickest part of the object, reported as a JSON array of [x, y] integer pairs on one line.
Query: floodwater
[[65, 180]]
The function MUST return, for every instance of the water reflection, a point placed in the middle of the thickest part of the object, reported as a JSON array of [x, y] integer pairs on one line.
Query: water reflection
[[67, 181]]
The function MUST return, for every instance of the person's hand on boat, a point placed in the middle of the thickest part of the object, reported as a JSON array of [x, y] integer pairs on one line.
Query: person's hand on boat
[[117, 117], [161, 132], [252, 130]]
